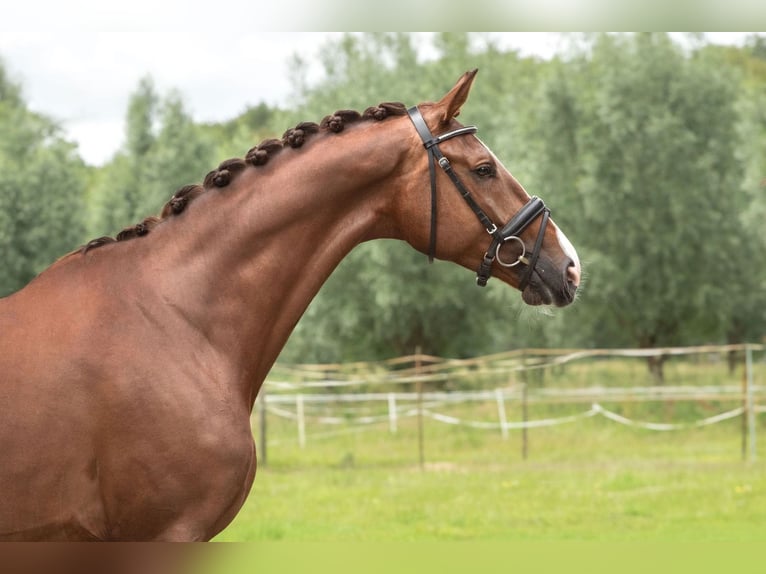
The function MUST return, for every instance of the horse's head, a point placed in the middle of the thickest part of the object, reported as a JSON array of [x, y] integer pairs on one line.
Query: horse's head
[[479, 216]]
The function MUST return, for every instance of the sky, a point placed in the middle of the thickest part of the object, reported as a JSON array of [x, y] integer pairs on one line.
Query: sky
[[82, 74]]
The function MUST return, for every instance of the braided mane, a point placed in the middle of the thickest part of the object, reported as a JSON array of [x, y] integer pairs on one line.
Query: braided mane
[[256, 156]]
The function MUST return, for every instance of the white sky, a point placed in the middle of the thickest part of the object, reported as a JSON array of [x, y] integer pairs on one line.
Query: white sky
[[83, 73]]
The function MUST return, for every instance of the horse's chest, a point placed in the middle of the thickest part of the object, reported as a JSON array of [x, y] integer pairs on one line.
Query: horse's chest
[[193, 481]]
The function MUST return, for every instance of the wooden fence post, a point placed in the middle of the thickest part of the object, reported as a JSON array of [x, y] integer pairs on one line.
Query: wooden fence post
[[524, 418], [419, 384], [301, 420], [392, 412], [262, 459], [500, 398], [745, 412], [750, 402]]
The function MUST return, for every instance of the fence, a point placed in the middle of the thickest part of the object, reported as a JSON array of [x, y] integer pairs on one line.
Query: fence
[[419, 386]]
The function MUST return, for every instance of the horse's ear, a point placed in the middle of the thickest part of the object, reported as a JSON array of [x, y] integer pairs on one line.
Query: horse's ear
[[457, 96]]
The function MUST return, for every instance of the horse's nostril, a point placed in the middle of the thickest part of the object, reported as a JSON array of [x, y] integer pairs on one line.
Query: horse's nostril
[[573, 274]]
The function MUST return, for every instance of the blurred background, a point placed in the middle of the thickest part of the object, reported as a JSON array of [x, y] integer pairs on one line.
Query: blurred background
[[651, 150]]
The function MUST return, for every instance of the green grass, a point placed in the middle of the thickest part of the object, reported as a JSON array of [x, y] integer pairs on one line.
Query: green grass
[[589, 481], [538, 502], [592, 480]]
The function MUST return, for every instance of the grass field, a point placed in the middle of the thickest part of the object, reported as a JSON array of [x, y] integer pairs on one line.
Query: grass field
[[592, 480]]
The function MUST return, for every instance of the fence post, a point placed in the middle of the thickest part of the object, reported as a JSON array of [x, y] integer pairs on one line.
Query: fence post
[[524, 418], [743, 425], [750, 402], [262, 425], [392, 412], [501, 413], [301, 421], [421, 446]]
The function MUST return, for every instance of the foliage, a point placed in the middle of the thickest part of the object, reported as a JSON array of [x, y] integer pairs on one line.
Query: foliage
[[650, 143], [749, 315], [163, 150], [634, 141], [649, 151], [384, 299], [42, 187]]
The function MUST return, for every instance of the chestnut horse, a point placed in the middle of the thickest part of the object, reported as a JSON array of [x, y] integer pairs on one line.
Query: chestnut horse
[[129, 368]]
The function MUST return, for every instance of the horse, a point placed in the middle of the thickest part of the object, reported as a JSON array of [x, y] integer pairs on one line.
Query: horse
[[129, 367]]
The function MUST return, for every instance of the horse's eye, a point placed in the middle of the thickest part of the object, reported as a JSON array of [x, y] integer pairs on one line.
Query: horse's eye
[[485, 170]]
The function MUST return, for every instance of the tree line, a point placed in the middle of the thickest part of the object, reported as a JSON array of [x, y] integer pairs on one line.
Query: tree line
[[650, 151]]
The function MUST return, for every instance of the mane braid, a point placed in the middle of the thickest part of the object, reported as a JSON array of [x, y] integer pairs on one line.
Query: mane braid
[[296, 136], [222, 176], [259, 154], [337, 121], [256, 156], [181, 199]]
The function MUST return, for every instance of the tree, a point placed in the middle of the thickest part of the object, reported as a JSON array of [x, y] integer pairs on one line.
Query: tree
[[756, 45], [748, 321], [234, 137], [384, 299], [178, 156], [116, 196], [163, 150], [653, 157], [42, 185]]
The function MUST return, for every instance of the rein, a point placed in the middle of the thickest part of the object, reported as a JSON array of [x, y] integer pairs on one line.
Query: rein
[[509, 232]]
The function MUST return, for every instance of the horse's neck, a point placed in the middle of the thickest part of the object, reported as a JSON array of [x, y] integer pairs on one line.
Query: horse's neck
[[250, 258]]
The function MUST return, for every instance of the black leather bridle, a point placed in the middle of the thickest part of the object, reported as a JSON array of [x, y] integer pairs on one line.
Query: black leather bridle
[[509, 232]]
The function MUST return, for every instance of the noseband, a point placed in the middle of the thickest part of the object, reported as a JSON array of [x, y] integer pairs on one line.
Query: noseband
[[509, 232]]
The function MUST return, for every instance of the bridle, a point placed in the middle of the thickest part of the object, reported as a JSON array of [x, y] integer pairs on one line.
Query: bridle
[[509, 232]]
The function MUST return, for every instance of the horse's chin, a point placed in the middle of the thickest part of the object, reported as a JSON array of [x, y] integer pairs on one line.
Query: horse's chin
[[539, 293], [533, 295]]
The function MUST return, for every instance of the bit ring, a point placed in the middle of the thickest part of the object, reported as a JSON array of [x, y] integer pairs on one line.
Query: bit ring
[[521, 259]]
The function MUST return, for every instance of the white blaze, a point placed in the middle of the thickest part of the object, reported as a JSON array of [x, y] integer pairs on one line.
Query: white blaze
[[567, 247]]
